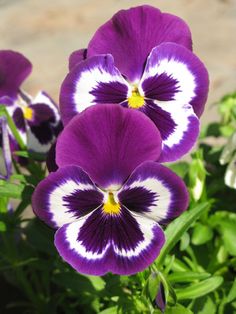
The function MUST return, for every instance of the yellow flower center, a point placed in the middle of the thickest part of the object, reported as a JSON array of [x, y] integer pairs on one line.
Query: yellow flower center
[[111, 206], [136, 100], [27, 112]]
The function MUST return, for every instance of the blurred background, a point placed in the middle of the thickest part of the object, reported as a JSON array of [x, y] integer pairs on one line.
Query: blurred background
[[48, 31]]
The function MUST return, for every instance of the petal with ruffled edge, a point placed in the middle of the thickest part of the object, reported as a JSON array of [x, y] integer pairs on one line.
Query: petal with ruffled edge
[[95, 80], [154, 191], [76, 57], [44, 123], [108, 142], [64, 196], [178, 125], [174, 73], [98, 243], [131, 34], [14, 69]]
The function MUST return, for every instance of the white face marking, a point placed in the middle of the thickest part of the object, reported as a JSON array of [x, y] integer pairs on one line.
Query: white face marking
[[180, 114], [57, 207], [89, 80], [159, 210], [178, 71]]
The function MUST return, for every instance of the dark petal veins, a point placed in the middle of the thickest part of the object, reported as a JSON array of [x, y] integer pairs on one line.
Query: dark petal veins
[[161, 118], [160, 87], [82, 201], [41, 113], [138, 199], [110, 93]]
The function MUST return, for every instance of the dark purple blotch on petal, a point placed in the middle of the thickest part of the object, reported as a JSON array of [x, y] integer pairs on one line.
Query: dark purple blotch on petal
[[137, 199], [83, 201], [41, 113], [101, 229], [19, 119], [110, 93], [43, 132], [161, 118], [160, 87]]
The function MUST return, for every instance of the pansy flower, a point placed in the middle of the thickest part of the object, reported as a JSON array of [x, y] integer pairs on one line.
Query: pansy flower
[[5, 152], [109, 197], [37, 119], [144, 66]]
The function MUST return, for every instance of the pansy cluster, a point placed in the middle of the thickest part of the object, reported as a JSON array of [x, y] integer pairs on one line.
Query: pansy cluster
[[130, 101], [37, 118]]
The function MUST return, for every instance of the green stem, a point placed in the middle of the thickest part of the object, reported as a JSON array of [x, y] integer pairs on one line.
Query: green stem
[[12, 126]]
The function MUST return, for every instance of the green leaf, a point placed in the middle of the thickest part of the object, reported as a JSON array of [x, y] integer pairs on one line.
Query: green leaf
[[199, 289], [225, 223], [187, 276], [232, 293], [201, 234], [209, 307], [184, 241], [151, 286], [75, 282], [97, 282], [180, 168], [178, 309], [178, 227], [110, 310], [3, 226], [11, 190]]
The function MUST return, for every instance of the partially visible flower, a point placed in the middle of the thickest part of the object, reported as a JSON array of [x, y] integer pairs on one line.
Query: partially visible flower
[[146, 67], [228, 156], [5, 152], [130, 35], [161, 298], [108, 197], [37, 119]]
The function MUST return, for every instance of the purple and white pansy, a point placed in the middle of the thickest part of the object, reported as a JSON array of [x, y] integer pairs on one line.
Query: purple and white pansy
[[132, 63], [37, 119], [109, 196]]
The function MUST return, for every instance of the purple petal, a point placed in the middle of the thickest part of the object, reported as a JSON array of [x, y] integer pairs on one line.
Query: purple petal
[[108, 142], [76, 57], [45, 123], [99, 243], [5, 152], [155, 191], [131, 35], [161, 298], [51, 159], [40, 113], [95, 80], [14, 69], [19, 120], [64, 196], [178, 125], [174, 73]]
